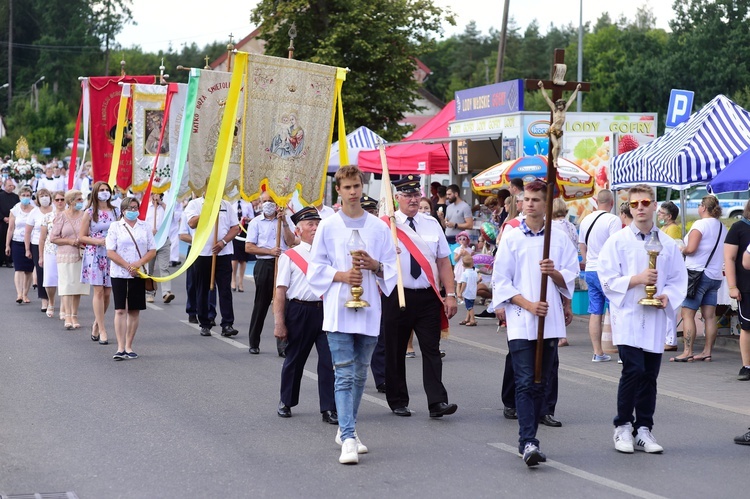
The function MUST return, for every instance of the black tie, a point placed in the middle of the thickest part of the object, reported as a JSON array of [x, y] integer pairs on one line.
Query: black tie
[[416, 270], [643, 236]]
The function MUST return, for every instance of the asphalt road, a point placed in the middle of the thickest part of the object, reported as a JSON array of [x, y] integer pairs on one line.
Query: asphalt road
[[196, 417]]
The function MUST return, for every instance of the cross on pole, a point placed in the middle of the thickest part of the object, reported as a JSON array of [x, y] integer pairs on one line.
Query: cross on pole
[[558, 109]]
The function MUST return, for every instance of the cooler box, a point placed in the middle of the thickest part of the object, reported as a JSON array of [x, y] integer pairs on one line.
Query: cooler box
[[580, 302]]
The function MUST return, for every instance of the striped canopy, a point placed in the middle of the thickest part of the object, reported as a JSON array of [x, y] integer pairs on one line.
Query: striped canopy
[[361, 139], [691, 154]]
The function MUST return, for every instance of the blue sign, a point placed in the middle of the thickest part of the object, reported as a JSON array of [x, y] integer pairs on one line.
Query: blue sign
[[489, 100], [680, 107], [45, 151]]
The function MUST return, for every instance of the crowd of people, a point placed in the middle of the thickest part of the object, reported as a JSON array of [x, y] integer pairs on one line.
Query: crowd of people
[[66, 241]]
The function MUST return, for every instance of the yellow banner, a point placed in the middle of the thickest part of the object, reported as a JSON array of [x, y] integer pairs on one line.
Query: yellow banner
[[122, 122]]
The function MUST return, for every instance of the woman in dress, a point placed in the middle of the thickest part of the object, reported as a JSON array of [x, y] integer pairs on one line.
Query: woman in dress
[[97, 218], [66, 230], [14, 244], [130, 246], [240, 257], [48, 254], [31, 239]]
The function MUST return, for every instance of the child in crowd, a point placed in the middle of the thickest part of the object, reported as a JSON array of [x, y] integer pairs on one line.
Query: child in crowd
[[463, 249], [467, 289]]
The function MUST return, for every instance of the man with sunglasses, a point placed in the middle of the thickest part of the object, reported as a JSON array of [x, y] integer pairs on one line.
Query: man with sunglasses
[[593, 232], [639, 330]]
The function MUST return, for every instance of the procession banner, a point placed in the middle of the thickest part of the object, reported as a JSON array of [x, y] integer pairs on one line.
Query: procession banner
[[287, 124], [104, 101]]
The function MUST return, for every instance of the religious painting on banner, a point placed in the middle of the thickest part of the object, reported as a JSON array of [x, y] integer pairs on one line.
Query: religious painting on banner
[[104, 103], [148, 116], [213, 89], [289, 106]]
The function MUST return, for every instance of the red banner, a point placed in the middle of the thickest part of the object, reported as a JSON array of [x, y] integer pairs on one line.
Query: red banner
[[105, 100]]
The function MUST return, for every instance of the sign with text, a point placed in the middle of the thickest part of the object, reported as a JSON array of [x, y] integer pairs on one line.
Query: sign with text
[[462, 156], [490, 100], [680, 107]]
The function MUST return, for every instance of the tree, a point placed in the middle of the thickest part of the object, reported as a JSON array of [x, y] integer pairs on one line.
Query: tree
[[109, 17], [377, 39]]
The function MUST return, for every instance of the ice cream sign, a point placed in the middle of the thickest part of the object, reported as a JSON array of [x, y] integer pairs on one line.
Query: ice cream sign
[[642, 124]]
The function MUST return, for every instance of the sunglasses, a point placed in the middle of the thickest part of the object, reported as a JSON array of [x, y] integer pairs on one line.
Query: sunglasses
[[644, 202], [59, 200]]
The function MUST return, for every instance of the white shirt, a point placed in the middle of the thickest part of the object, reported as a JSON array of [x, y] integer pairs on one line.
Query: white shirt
[[119, 241], [329, 255], [325, 212], [35, 218], [262, 232], [292, 277], [21, 219], [160, 212], [606, 225], [709, 229], [624, 256], [227, 220], [471, 278], [516, 271], [431, 232], [51, 184]]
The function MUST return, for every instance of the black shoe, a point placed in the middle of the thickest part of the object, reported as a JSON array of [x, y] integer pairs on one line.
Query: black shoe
[[381, 388], [510, 413], [193, 319], [744, 374], [228, 331], [205, 331], [743, 439], [282, 354], [174, 264], [442, 409], [549, 420], [402, 411], [254, 350], [284, 411], [485, 315], [330, 417], [213, 323]]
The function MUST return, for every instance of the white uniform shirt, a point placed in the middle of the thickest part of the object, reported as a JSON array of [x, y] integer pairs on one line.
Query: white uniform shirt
[[227, 220], [431, 232], [709, 229], [262, 233], [325, 212], [119, 240], [624, 256], [329, 255], [292, 277], [606, 225], [516, 271]]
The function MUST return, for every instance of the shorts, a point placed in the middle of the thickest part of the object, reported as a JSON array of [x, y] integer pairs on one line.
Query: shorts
[[706, 294], [129, 294], [469, 303], [597, 301], [743, 310]]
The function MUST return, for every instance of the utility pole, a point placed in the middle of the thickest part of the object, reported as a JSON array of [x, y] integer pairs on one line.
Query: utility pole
[[10, 53], [500, 66]]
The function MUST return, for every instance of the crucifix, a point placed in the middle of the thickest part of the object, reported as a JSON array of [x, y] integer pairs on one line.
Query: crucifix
[[558, 109]]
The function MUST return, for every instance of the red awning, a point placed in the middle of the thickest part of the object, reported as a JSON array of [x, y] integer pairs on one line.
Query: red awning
[[415, 157]]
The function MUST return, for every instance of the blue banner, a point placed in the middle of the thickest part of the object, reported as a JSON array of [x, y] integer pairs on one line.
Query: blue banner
[[489, 100]]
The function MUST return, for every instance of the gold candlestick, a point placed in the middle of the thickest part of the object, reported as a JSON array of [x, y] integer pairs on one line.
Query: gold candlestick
[[653, 247], [355, 246]]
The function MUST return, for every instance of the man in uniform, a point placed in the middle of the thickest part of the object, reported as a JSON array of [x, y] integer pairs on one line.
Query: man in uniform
[[425, 264], [298, 315]]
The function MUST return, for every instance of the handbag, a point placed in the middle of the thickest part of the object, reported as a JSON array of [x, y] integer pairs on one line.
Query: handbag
[[148, 282], [695, 276]]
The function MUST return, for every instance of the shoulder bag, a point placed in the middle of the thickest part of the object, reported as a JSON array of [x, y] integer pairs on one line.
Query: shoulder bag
[[694, 276], [149, 283]]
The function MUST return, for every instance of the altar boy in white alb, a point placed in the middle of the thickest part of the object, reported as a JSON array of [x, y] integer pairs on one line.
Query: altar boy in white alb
[[639, 331], [352, 332]]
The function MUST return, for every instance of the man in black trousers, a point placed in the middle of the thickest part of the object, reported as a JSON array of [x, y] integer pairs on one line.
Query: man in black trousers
[[8, 199]]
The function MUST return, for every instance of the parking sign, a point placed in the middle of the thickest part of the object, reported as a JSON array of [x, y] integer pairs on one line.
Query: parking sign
[[680, 107]]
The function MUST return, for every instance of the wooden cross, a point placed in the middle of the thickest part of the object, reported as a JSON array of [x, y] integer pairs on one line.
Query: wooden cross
[[558, 85]]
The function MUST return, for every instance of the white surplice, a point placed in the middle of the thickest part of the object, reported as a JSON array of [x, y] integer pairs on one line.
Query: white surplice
[[623, 256], [330, 255], [516, 271]]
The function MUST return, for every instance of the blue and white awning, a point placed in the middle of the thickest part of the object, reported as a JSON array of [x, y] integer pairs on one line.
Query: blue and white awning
[[692, 153], [361, 139]]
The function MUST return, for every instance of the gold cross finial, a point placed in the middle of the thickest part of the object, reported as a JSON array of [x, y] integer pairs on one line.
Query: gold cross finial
[[206, 66]]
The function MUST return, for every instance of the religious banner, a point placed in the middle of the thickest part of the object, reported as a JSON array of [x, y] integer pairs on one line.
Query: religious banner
[[289, 111], [104, 101], [148, 116], [213, 89]]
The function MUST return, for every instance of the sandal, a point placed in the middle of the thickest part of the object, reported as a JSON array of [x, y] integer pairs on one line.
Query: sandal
[[50, 312], [75, 324], [471, 323], [704, 358], [463, 323], [93, 336], [689, 358], [68, 325]]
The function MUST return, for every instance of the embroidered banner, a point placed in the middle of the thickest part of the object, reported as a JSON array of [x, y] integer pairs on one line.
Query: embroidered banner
[[104, 101]]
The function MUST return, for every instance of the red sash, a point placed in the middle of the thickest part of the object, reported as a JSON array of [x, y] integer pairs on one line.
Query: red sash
[[298, 259]]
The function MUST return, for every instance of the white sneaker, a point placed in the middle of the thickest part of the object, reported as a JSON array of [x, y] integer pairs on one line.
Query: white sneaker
[[349, 452], [532, 456], [645, 441], [361, 448], [624, 438], [601, 358]]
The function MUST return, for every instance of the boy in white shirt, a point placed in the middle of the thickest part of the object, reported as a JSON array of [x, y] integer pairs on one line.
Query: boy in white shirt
[[467, 289]]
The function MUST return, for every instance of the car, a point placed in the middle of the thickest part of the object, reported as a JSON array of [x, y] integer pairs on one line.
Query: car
[[732, 203], [69, 143]]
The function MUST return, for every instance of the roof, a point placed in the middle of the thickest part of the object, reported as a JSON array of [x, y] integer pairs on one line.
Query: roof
[[223, 57]]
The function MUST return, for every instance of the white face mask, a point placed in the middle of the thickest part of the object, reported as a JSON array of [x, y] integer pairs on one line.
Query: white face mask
[[44, 201], [103, 195], [269, 208]]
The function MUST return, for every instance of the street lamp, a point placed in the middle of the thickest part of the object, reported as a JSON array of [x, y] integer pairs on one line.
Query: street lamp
[[5, 85], [35, 94]]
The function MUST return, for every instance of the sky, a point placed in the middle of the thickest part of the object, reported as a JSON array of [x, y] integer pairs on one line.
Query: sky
[[160, 25]]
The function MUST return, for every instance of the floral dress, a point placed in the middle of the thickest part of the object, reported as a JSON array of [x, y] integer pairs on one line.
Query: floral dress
[[95, 266]]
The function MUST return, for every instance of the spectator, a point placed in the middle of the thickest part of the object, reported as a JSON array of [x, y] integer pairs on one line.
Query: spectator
[[667, 217], [14, 244], [738, 280], [457, 214]]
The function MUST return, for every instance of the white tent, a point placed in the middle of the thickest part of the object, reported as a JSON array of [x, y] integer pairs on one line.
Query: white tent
[[360, 139]]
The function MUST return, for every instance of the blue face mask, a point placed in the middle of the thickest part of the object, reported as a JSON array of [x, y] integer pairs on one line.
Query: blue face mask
[[131, 215], [25, 201], [79, 206]]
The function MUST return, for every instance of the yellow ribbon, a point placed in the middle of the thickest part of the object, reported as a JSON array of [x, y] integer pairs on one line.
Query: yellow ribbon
[[122, 121]]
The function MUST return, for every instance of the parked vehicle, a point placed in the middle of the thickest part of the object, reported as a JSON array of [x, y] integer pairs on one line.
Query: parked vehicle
[[732, 203]]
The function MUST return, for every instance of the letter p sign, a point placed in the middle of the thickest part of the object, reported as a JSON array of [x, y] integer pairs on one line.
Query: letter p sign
[[680, 107]]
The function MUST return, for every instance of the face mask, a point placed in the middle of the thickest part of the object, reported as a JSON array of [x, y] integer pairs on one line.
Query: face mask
[[25, 201], [38, 175], [131, 215], [44, 201], [79, 206], [103, 195], [662, 222], [269, 208]]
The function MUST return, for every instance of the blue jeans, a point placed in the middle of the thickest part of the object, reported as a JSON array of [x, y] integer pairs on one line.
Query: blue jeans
[[351, 355], [530, 395]]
